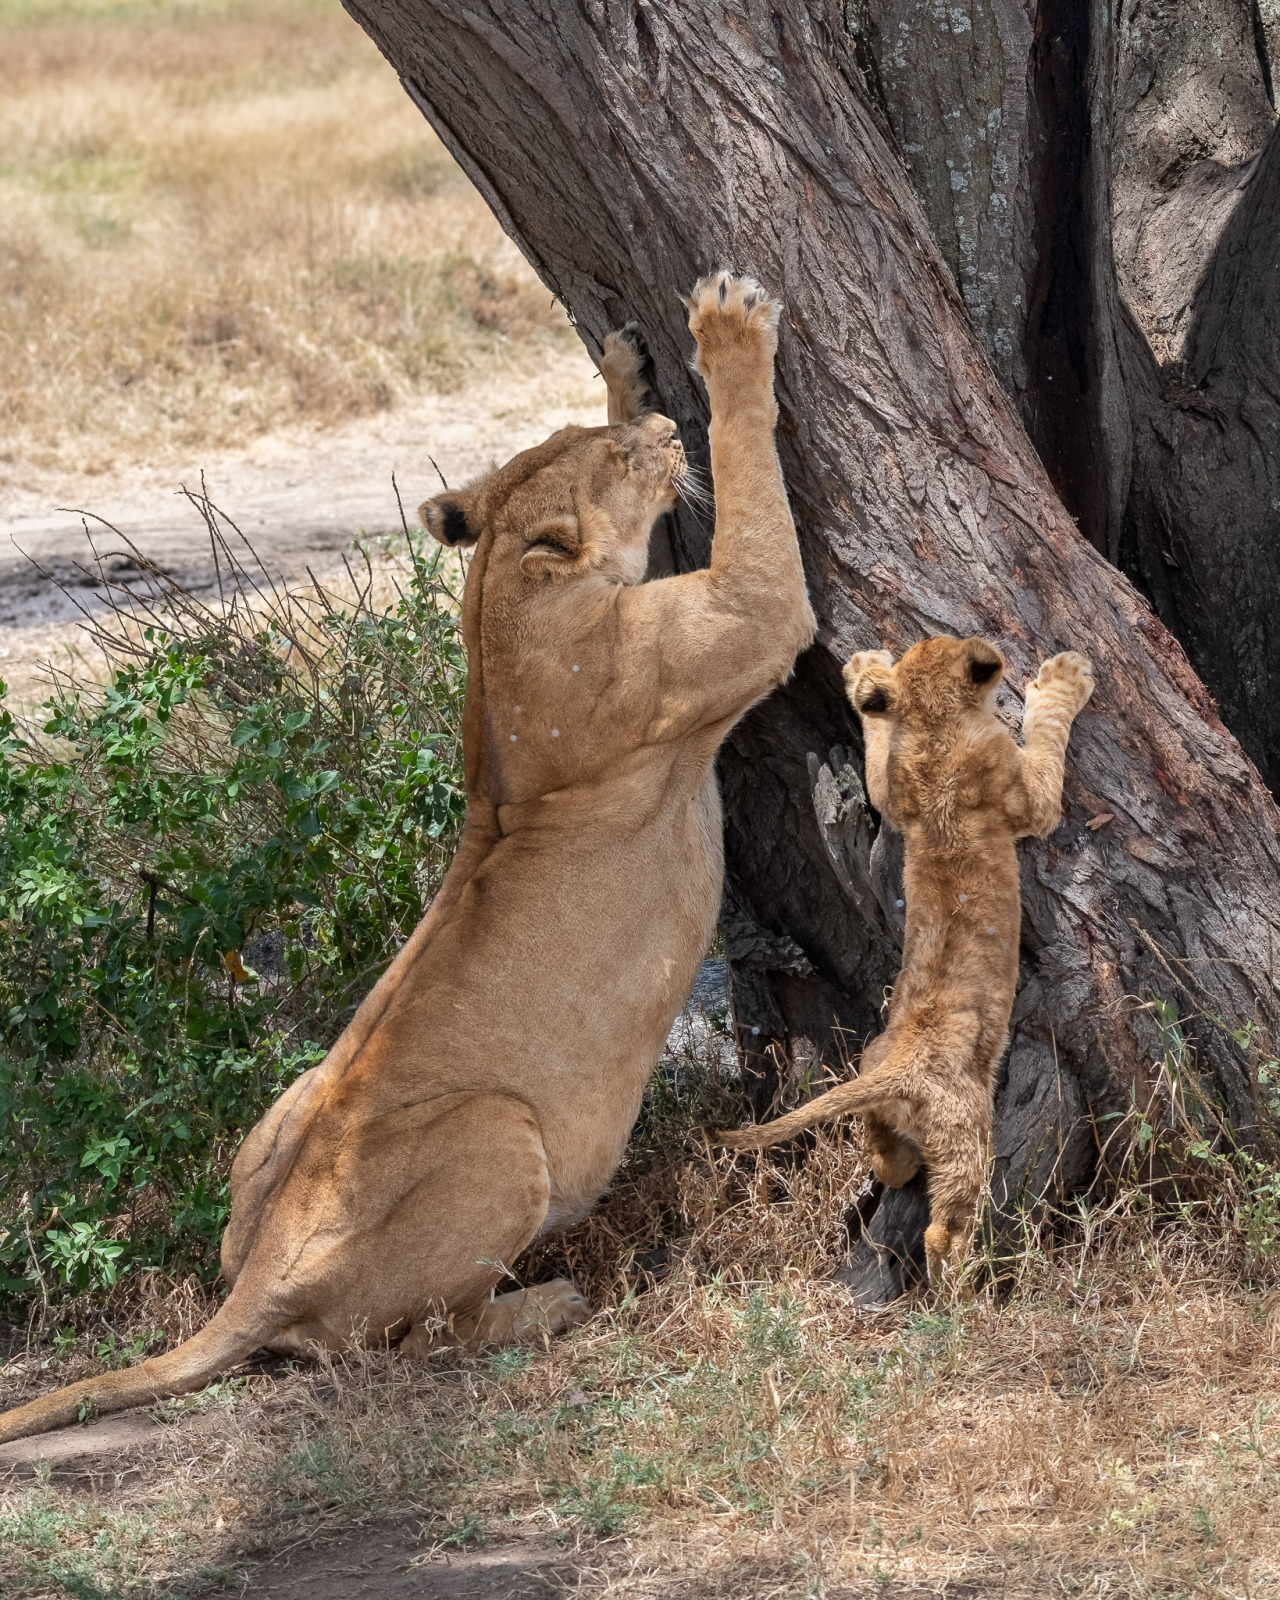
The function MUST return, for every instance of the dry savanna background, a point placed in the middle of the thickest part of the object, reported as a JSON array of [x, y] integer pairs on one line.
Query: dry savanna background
[[227, 240]]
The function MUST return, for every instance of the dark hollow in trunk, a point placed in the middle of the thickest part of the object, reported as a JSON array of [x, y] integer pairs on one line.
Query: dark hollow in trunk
[[630, 148]]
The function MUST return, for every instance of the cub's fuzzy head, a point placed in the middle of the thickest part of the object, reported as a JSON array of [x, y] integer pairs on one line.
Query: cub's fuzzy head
[[936, 681], [583, 502]]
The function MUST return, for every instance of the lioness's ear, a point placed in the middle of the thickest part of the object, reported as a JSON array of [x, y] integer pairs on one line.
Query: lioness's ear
[[554, 550], [566, 546], [448, 519], [983, 662]]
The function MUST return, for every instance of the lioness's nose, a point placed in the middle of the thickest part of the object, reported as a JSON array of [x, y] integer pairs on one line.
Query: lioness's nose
[[662, 428]]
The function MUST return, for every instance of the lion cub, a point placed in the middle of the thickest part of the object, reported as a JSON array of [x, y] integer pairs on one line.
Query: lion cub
[[942, 770]]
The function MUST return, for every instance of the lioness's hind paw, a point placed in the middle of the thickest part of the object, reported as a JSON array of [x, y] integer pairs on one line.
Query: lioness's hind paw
[[561, 1305]]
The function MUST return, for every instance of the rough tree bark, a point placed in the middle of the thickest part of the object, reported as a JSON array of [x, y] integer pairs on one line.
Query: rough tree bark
[[1093, 175], [1199, 200], [628, 148]]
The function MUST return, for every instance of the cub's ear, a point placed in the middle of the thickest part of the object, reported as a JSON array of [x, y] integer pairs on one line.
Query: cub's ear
[[872, 699], [983, 663], [448, 518]]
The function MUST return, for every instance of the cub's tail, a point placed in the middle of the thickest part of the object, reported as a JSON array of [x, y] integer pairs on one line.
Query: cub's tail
[[220, 1344], [859, 1095]]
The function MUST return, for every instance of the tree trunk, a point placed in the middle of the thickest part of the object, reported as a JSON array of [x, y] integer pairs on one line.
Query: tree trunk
[[1198, 216], [1093, 186], [630, 148]]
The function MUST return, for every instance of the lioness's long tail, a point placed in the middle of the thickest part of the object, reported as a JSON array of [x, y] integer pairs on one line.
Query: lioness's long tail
[[220, 1344], [858, 1095]]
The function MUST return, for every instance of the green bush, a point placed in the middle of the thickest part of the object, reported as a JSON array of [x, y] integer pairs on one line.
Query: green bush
[[204, 864]]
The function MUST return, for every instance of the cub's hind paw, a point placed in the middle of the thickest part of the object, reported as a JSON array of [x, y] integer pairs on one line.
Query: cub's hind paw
[[944, 1249], [627, 369], [1068, 676], [727, 312]]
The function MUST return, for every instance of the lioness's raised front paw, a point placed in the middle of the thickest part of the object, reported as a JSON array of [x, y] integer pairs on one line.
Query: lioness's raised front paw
[[1068, 677], [627, 369], [731, 316]]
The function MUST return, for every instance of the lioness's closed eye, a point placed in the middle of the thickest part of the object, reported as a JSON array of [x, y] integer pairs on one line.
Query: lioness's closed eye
[[943, 770]]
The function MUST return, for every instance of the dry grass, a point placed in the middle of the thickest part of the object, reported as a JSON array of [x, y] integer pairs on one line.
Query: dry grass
[[1101, 1423], [219, 218]]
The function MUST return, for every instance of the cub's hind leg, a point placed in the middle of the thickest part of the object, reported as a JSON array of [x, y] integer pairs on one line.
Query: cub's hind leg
[[895, 1160], [956, 1157], [895, 1157]]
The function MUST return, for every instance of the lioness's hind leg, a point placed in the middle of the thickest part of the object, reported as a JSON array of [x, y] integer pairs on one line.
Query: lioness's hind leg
[[627, 369], [523, 1316]]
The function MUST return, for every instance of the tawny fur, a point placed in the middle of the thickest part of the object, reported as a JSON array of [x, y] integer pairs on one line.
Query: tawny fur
[[484, 1091], [942, 770]]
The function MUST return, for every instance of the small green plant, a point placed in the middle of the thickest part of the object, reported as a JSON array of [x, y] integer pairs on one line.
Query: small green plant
[[204, 865], [1204, 1523], [469, 1530], [596, 1505]]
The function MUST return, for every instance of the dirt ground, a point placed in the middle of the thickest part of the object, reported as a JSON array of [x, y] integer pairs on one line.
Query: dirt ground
[[299, 496], [387, 1560]]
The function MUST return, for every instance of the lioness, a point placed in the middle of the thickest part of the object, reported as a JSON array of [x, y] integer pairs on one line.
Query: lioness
[[484, 1091], [942, 770]]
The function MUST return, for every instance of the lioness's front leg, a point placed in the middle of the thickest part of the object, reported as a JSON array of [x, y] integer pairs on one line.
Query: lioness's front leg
[[755, 557], [727, 635], [627, 369]]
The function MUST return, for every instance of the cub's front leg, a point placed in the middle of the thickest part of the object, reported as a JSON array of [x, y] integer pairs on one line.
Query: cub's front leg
[[868, 682], [1060, 690]]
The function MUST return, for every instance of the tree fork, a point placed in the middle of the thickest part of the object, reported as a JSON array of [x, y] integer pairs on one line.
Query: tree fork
[[629, 148]]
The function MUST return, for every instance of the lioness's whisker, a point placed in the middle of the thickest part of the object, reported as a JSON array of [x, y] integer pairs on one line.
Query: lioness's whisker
[[692, 488]]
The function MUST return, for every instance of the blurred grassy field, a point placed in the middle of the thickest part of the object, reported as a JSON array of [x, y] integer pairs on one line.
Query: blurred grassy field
[[216, 218]]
